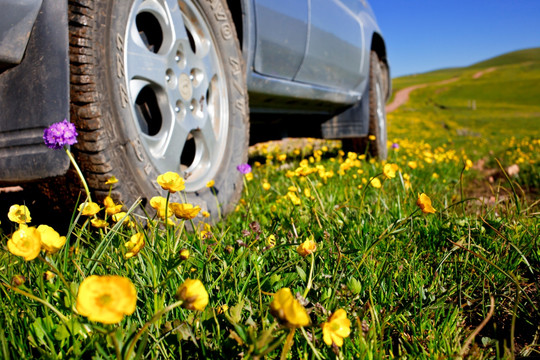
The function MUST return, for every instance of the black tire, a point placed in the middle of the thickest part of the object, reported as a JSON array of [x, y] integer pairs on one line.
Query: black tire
[[378, 87], [156, 87]]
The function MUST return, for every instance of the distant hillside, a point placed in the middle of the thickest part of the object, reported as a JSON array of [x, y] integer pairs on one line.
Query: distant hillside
[[486, 102], [515, 57], [511, 58]]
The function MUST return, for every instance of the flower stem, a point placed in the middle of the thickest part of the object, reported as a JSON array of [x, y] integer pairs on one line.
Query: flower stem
[[79, 172], [245, 185], [288, 344], [310, 279]]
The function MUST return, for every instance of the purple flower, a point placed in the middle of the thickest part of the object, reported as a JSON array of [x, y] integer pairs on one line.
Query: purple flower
[[395, 146], [244, 168], [60, 134]]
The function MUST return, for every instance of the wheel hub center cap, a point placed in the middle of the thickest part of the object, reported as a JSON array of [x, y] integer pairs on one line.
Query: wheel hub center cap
[[184, 84]]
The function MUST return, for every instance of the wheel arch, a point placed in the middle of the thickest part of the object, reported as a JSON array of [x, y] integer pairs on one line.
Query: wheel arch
[[378, 45]]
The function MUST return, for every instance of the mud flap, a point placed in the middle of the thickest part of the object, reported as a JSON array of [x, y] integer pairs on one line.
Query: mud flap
[[352, 123], [33, 95]]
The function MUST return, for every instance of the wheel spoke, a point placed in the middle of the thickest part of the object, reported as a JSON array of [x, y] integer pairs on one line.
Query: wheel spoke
[[155, 8], [178, 29], [209, 138], [166, 147], [143, 64]]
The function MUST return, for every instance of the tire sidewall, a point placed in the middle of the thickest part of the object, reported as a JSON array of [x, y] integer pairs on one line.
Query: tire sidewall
[[378, 147], [138, 175]]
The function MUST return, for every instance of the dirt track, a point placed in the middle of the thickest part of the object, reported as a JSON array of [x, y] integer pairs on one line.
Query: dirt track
[[402, 96]]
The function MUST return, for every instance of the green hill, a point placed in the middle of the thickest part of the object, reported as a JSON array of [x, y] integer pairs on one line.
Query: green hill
[[485, 103], [515, 57]]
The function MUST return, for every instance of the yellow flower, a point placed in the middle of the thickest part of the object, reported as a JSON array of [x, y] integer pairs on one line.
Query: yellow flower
[[336, 328], [171, 182], [119, 216], [110, 207], [375, 182], [98, 223], [184, 254], [194, 295], [271, 240], [19, 214], [25, 242], [412, 164], [89, 208], [51, 241], [424, 202], [159, 203], [185, 211], [111, 180], [282, 157], [205, 214], [372, 137], [106, 299], [389, 170], [468, 164], [249, 176], [266, 186], [307, 247], [210, 184], [221, 309], [134, 245], [286, 308], [294, 198]]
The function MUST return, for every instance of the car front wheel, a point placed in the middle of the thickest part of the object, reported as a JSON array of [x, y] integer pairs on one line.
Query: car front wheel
[[157, 86], [375, 144]]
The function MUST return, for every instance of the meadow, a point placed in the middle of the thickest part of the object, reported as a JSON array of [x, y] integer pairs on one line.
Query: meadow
[[432, 254]]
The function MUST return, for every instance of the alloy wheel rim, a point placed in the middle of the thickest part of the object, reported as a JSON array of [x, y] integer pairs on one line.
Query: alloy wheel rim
[[176, 89]]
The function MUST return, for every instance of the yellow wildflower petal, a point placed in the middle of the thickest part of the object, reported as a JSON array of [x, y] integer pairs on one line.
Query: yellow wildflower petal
[[25, 242], [51, 241], [89, 208], [171, 182], [185, 211], [285, 307], [106, 299], [336, 328], [424, 202], [19, 214], [134, 245], [307, 247], [194, 295]]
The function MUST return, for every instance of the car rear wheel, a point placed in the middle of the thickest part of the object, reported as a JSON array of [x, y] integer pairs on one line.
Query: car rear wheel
[[375, 144], [157, 86]]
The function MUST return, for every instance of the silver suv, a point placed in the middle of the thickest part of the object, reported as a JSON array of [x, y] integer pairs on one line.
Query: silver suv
[[174, 85]]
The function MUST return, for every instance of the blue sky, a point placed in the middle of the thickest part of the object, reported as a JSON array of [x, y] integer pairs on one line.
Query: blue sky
[[424, 35]]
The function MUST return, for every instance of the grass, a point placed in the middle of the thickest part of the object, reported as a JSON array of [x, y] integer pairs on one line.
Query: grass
[[462, 282]]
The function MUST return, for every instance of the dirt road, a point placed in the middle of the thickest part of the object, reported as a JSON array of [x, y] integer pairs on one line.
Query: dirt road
[[402, 96]]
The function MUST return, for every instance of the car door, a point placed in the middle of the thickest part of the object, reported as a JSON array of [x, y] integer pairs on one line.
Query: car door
[[335, 54], [281, 32]]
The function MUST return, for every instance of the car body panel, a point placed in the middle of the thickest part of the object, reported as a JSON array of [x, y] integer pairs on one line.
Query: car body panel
[[335, 50], [282, 31], [325, 74]]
